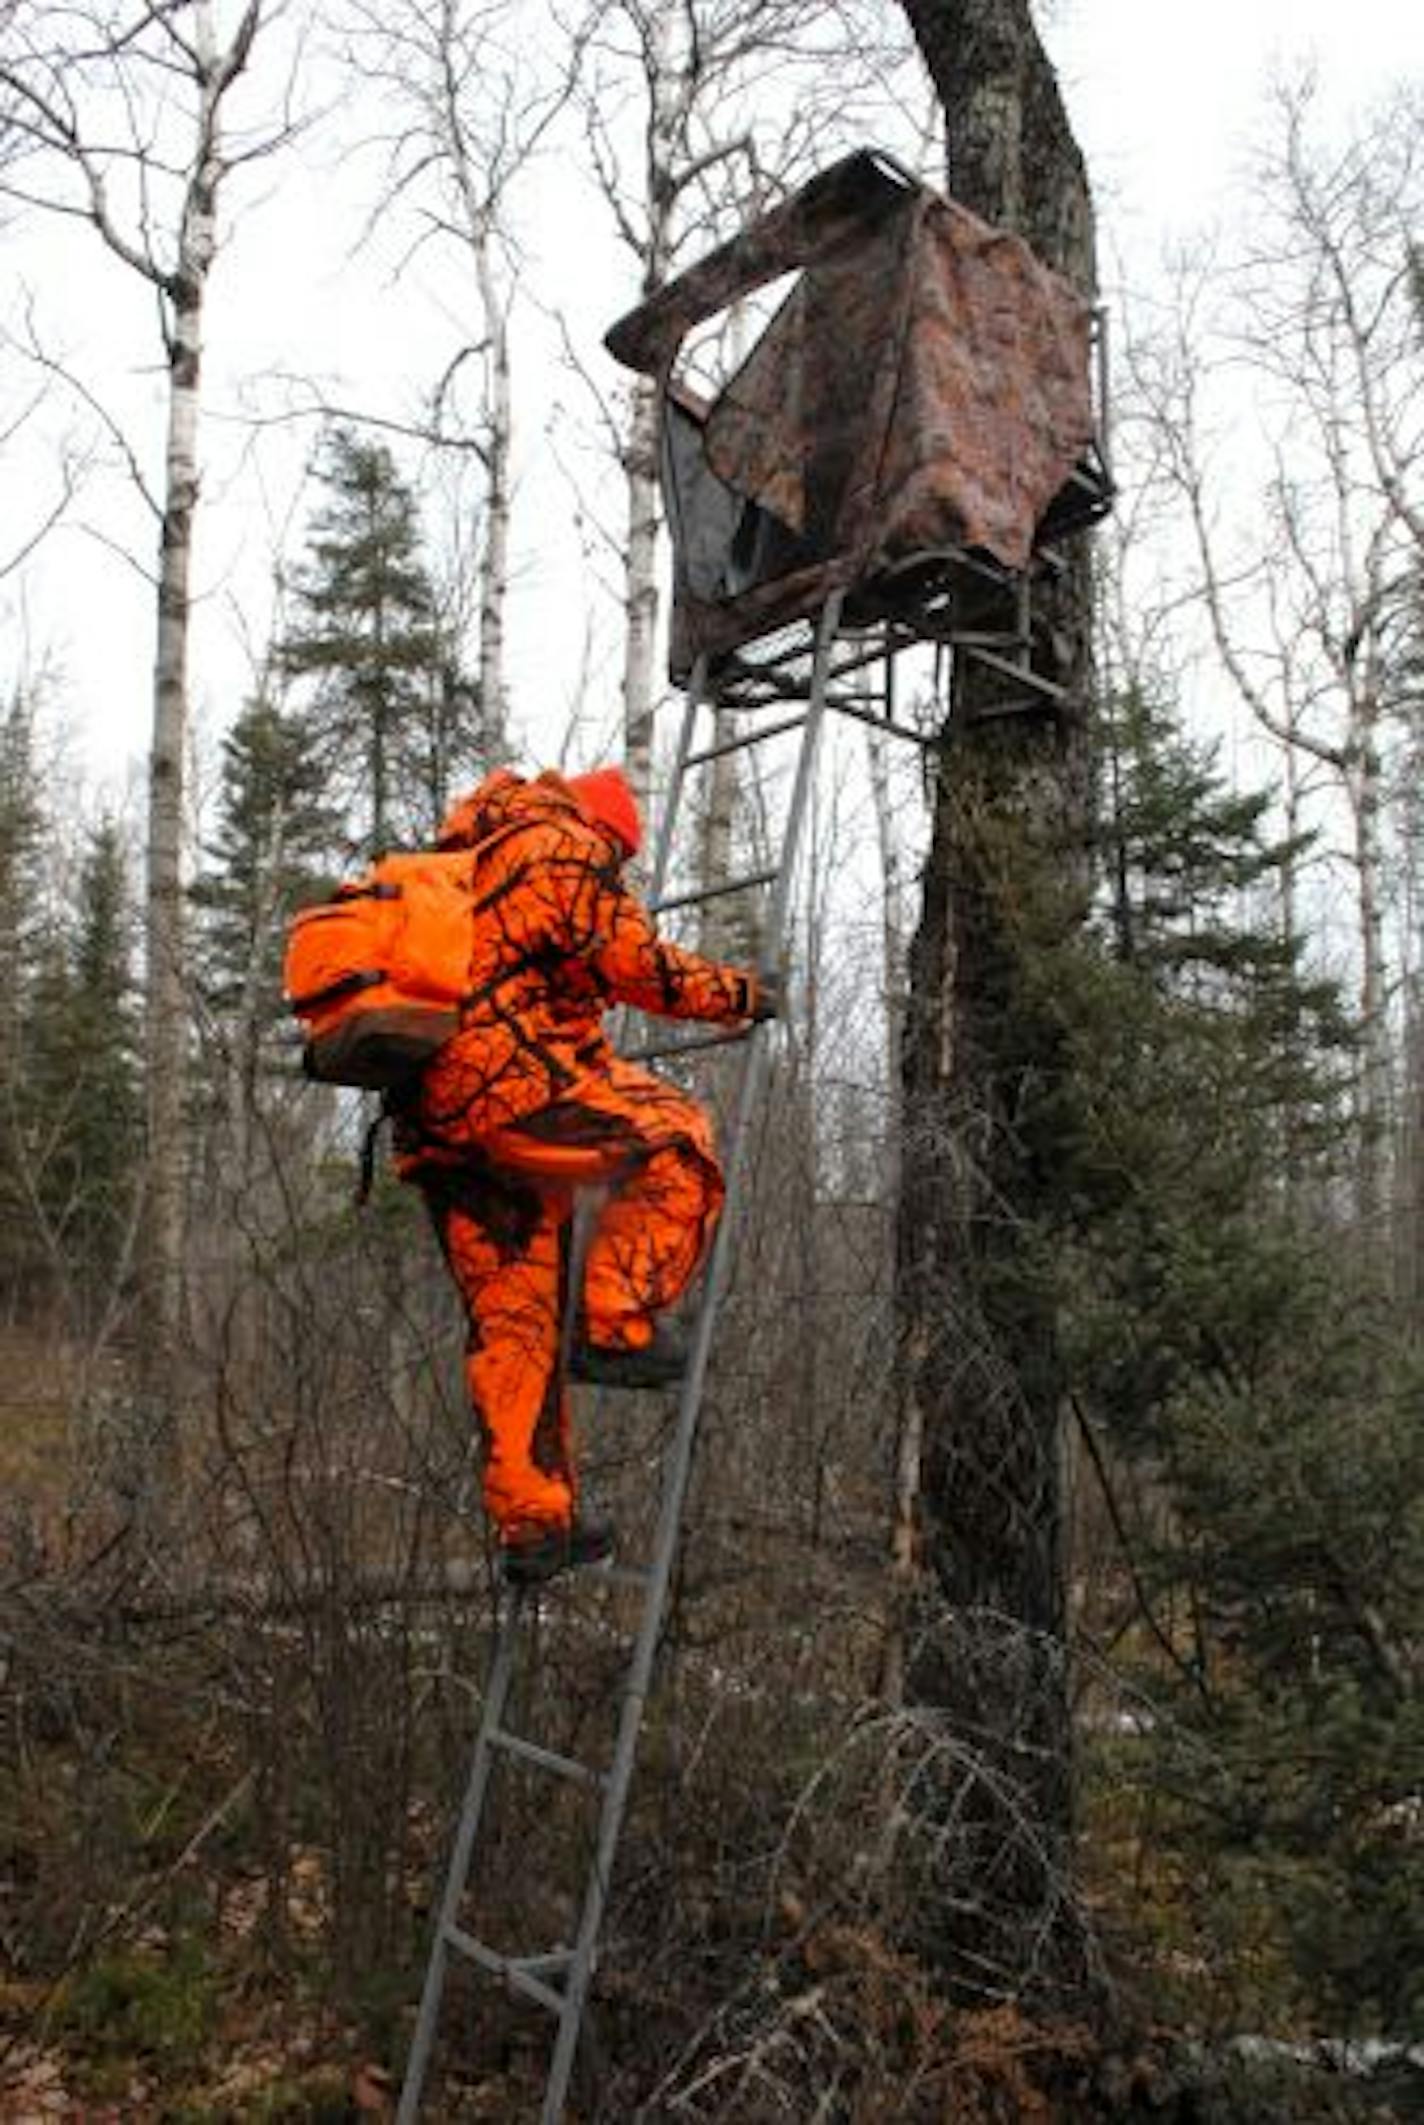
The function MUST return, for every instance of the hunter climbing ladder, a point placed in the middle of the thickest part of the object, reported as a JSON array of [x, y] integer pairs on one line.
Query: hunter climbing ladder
[[755, 697], [558, 1978]]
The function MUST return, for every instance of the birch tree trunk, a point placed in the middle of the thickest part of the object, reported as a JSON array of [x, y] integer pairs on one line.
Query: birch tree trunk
[[1409, 1165], [892, 940], [478, 96], [982, 1377], [700, 68], [640, 589], [167, 1006], [494, 561], [167, 1003], [1320, 312], [1365, 784], [909, 1449], [666, 87], [171, 79]]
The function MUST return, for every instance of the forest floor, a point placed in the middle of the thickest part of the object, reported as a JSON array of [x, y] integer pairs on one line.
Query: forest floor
[[162, 1961]]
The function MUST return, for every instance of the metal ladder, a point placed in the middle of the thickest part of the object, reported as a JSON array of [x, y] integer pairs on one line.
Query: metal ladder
[[558, 1978]]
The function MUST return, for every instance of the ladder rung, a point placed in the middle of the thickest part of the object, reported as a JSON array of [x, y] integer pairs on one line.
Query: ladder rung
[[746, 738], [516, 1970], [695, 1044], [625, 1575], [546, 1759], [743, 884]]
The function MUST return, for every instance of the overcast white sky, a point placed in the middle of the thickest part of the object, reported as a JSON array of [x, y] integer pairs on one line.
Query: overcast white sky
[[1163, 99]]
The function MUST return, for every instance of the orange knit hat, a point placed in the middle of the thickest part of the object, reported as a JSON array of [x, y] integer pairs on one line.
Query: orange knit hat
[[605, 798]]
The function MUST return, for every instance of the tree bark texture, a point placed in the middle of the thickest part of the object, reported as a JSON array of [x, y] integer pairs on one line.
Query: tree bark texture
[[494, 565], [166, 1005], [640, 682], [166, 1016], [666, 83], [981, 1372]]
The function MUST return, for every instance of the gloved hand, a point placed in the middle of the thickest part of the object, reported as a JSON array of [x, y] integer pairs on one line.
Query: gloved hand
[[770, 998]]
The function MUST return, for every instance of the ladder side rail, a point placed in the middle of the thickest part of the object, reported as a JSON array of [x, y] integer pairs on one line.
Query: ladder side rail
[[679, 1462], [457, 1874], [586, 1214], [779, 906], [667, 823]]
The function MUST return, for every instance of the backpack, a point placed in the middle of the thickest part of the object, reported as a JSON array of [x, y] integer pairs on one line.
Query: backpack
[[376, 975]]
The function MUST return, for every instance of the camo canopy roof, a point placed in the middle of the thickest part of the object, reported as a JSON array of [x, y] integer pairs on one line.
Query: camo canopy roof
[[924, 387]]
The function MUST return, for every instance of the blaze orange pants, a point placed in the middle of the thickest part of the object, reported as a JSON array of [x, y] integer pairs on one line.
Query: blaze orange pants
[[503, 1217]]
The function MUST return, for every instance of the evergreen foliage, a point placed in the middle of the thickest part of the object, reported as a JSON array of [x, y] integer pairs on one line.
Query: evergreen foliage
[[274, 847], [1244, 1386], [388, 714], [82, 1098], [22, 837], [23, 834], [71, 1115]]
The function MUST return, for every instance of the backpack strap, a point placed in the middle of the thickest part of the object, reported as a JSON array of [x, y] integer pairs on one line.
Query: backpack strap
[[366, 1179], [396, 1103]]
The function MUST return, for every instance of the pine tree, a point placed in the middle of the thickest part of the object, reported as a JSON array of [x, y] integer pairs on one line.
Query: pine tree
[[22, 833], [1247, 1402], [23, 839], [388, 715], [1194, 874], [84, 1109], [276, 842], [1202, 1108]]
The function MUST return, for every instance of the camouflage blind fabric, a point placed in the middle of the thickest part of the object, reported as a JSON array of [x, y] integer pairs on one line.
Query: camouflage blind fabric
[[924, 387]]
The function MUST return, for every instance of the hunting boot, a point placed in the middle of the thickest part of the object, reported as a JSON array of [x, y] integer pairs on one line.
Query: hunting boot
[[659, 1363], [538, 1549]]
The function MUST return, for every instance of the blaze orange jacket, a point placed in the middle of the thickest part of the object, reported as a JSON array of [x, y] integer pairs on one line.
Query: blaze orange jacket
[[557, 937]]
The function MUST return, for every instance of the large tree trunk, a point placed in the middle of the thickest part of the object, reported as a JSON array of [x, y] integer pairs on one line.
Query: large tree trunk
[[982, 1379]]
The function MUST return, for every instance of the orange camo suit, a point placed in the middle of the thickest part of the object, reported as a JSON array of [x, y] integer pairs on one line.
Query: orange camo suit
[[529, 1100]]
